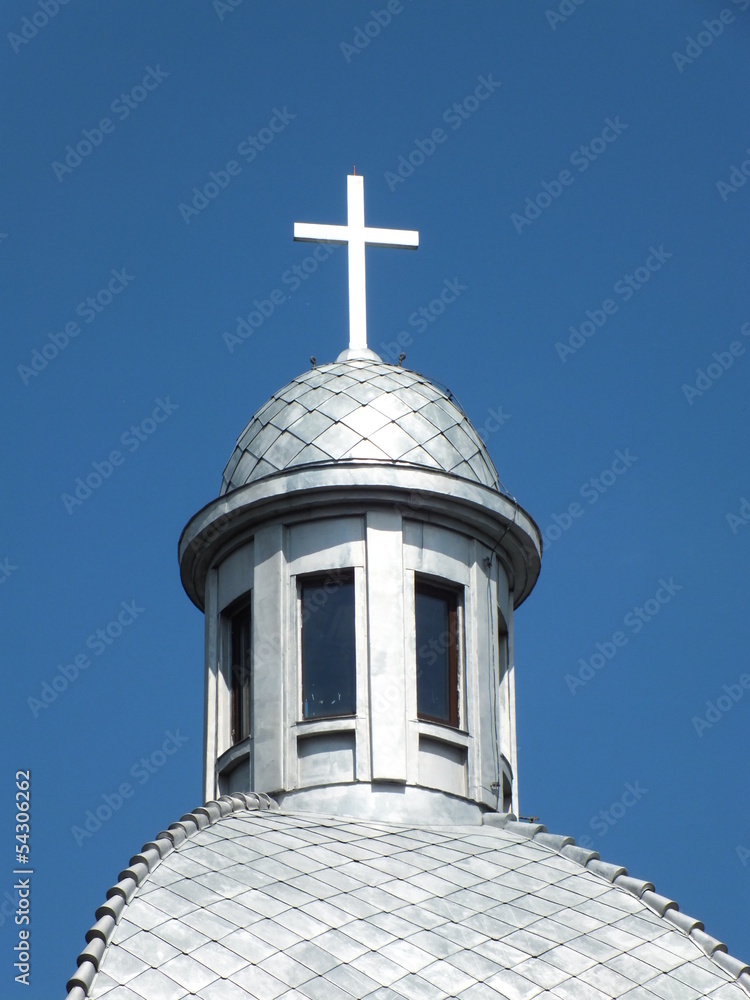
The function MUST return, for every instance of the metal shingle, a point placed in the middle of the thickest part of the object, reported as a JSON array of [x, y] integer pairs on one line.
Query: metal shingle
[[366, 395], [122, 966], [248, 946], [510, 984], [184, 938], [217, 956], [188, 972], [286, 969], [378, 967], [259, 983], [149, 948], [372, 921]]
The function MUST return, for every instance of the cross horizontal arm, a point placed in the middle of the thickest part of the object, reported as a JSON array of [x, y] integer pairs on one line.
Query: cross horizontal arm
[[406, 239], [311, 232]]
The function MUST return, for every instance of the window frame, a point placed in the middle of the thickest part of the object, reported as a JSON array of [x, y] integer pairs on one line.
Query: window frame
[[236, 674], [453, 594], [320, 579]]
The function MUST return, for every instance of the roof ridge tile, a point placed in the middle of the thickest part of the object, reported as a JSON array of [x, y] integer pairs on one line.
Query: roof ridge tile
[[734, 966], [608, 871], [102, 929], [524, 828], [634, 885], [554, 840], [573, 852], [93, 953], [682, 921], [706, 943], [129, 882], [99, 936], [113, 907], [148, 856], [659, 904], [162, 843]]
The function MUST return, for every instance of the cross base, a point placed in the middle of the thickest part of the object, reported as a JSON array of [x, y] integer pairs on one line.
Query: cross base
[[358, 354]]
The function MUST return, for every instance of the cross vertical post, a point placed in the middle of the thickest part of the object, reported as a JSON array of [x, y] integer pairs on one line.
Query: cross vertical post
[[356, 235]]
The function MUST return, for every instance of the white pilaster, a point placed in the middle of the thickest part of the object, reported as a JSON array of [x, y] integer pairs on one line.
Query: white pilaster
[[385, 611], [269, 658]]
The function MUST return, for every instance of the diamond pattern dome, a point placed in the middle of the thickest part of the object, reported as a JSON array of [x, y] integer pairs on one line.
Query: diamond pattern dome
[[360, 411]]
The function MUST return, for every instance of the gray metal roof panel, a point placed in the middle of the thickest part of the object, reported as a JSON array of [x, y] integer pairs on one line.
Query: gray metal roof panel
[[371, 398], [389, 924], [338, 406], [365, 420], [337, 440]]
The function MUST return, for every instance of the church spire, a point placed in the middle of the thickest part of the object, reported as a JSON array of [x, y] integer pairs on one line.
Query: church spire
[[359, 574], [356, 236]]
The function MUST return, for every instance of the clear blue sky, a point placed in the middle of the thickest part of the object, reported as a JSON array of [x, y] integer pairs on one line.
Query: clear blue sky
[[556, 167]]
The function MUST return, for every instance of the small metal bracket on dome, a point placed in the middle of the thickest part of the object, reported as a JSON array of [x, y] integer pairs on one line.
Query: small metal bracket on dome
[[356, 236]]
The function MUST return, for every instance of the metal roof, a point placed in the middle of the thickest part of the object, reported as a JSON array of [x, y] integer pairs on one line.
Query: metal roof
[[360, 411], [242, 900]]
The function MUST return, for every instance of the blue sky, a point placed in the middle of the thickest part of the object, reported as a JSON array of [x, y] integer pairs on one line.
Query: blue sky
[[577, 171]]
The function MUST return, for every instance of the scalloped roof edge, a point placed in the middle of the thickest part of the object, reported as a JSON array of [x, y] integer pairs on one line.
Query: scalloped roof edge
[[151, 854], [662, 906]]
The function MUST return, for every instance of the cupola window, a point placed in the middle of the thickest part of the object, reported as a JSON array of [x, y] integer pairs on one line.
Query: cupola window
[[240, 628], [328, 644], [437, 642]]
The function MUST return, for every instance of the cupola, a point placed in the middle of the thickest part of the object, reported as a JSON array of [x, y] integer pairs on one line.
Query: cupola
[[358, 574]]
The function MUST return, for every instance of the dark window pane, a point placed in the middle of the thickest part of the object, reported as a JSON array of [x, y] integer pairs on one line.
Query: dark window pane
[[241, 704], [437, 654], [328, 645], [502, 636]]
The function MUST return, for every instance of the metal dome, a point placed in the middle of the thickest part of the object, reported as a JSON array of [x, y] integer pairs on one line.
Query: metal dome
[[360, 411]]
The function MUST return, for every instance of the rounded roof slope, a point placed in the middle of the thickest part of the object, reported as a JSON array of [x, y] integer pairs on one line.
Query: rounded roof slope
[[241, 900], [360, 411]]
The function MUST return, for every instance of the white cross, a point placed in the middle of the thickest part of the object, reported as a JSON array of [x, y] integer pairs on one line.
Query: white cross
[[357, 236]]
